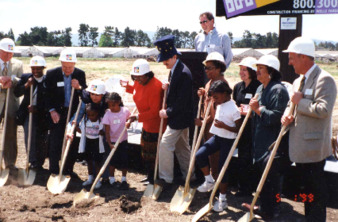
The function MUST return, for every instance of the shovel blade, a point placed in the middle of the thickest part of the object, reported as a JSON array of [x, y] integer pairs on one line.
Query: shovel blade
[[157, 191], [3, 176], [245, 218], [181, 201], [83, 195], [187, 201], [57, 184], [26, 177], [149, 190], [201, 212]]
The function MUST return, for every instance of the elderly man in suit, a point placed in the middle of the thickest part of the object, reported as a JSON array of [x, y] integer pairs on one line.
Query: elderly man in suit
[[11, 70], [310, 126], [178, 112], [59, 83]]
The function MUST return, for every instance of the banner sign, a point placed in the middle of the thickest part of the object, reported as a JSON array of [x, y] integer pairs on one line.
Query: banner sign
[[232, 8]]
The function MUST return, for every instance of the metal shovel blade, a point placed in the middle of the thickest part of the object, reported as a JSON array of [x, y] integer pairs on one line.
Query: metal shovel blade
[[149, 190], [181, 201], [26, 177], [245, 218], [4, 173], [57, 183], [83, 195], [157, 191], [201, 212]]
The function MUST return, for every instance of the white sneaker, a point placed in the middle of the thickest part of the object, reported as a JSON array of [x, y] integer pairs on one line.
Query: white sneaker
[[220, 205], [206, 186], [98, 185], [88, 182]]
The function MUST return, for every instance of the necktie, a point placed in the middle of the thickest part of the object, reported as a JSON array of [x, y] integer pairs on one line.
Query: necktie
[[5, 70], [302, 83]]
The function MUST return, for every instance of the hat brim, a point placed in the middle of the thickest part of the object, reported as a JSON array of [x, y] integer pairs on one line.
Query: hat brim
[[165, 56]]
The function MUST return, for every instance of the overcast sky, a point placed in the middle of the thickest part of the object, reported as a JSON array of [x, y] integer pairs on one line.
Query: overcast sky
[[147, 15]]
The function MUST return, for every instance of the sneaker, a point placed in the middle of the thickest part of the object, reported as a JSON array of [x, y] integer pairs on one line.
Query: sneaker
[[206, 187], [124, 185], [88, 182], [98, 185], [220, 205], [111, 180]]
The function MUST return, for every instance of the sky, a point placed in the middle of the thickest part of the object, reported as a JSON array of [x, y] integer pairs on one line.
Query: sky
[[147, 15]]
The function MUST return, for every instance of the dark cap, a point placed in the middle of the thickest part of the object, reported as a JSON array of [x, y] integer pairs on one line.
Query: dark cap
[[166, 47]]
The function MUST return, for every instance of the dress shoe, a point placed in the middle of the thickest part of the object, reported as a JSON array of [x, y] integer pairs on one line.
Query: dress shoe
[[144, 180]]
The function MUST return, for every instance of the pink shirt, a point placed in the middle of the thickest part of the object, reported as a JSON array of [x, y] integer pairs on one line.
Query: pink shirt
[[116, 121]]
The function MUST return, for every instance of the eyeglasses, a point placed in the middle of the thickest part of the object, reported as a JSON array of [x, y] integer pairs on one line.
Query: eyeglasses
[[203, 22], [209, 67]]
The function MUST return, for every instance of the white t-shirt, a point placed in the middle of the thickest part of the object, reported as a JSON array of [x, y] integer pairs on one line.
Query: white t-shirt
[[227, 113]]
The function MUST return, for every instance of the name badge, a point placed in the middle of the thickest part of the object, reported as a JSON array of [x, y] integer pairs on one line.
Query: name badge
[[116, 121], [248, 96], [308, 92], [60, 84]]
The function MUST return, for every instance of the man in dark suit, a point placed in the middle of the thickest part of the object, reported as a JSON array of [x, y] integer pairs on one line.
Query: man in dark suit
[[59, 83], [310, 126], [39, 131], [179, 111]]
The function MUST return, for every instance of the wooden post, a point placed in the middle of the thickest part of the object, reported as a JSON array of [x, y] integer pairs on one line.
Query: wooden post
[[285, 37]]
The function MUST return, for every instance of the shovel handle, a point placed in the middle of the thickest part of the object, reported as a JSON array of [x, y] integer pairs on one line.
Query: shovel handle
[[196, 127], [231, 152], [103, 168], [4, 128], [30, 123], [159, 136], [67, 120]]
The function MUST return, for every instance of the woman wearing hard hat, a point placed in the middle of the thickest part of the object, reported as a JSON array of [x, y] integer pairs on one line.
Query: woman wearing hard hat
[[268, 109], [243, 92], [147, 94], [214, 67], [39, 132]]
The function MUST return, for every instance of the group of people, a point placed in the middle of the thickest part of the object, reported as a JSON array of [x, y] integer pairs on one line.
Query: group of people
[[103, 117]]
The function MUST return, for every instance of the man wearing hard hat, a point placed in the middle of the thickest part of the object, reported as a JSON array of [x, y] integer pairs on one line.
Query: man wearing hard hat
[[314, 95], [39, 131], [11, 70], [59, 84]]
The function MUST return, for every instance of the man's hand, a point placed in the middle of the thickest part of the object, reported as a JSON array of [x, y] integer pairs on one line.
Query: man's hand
[[201, 92], [165, 85], [163, 113], [6, 82], [55, 116], [286, 120], [76, 84], [29, 83]]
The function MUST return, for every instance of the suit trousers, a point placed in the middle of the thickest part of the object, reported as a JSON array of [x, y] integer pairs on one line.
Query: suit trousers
[[174, 141], [313, 177], [11, 147]]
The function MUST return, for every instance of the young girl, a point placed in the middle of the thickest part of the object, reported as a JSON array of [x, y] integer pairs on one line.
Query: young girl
[[225, 127], [91, 142], [114, 122]]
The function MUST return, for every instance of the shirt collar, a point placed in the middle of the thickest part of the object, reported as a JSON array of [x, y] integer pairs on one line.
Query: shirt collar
[[173, 68], [307, 74], [211, 31]]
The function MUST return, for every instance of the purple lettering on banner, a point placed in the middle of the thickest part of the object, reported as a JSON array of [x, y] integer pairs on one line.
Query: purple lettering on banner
[[236, 7], [326, 7]]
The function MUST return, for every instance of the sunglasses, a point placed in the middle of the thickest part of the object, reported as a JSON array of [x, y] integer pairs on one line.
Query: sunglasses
[[203, 22], [209, 67]]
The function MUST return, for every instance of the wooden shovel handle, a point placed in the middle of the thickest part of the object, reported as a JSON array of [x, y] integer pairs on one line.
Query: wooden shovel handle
[[67, 120], [30, 123], [4, 128], [196, 127]]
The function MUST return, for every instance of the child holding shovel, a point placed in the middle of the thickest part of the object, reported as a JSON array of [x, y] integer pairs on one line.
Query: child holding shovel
[[225, 127], [114, 123]]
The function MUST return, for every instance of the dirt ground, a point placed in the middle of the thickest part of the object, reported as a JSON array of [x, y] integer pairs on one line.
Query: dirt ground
[[36, 203]]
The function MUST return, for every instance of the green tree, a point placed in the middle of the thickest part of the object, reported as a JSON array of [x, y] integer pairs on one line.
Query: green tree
[[106, 37], [39, 35], [142, 39], [93, 34], [67, 36], [11, 34], [83, 34], [24, 39], [129, 37], [117, 37], [231, 36], [163, 31]]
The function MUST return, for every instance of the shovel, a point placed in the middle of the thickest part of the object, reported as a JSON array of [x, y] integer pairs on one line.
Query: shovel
[[57, 184], [154, 190], [67, 120], [4, 172], [84, 195], [26, 176], [250, 215], [196, 127], [184, 195], [209, 206]]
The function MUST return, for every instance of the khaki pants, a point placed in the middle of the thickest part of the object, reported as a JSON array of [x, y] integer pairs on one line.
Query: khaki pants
[[11, 148], [174, 141]]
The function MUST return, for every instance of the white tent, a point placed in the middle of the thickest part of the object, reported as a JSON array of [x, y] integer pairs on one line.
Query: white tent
[[268, 51]]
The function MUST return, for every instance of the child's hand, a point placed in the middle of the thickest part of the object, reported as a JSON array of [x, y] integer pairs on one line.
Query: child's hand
[[201, 92], [198, 122], [70, 136], [111, 146], [128, 124], [165, 85], [219, 124]]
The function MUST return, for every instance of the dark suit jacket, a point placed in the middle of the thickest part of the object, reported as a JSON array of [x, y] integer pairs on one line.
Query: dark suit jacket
[[179, 98], [56, 94]]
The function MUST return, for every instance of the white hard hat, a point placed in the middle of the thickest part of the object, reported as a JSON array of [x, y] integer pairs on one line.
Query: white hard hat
[[269, 60], [249, 62], [97, 87], [68, 55], [302, 45], [37, 61], [7, 45], [140, 67], [214, 56]]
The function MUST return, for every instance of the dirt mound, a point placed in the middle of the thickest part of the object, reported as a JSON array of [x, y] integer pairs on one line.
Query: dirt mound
[[129, 204]]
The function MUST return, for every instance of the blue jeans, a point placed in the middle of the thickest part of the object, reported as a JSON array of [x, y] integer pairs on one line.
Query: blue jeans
[[214, 144]]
